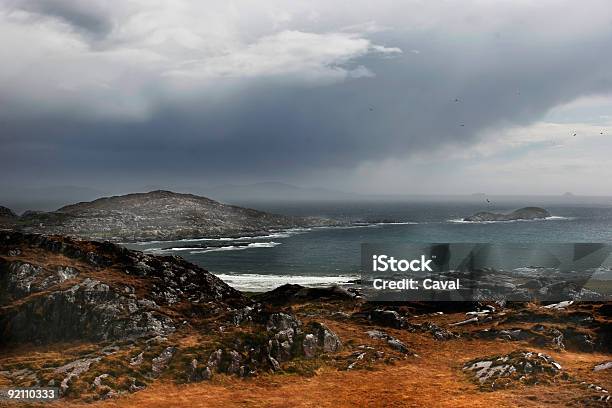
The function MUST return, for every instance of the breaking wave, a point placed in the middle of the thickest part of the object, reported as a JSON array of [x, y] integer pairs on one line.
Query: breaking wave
[[200, 250], [270, 244], [551, 218]]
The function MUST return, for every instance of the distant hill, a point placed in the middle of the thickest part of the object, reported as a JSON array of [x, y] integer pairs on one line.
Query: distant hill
[[157, 215]]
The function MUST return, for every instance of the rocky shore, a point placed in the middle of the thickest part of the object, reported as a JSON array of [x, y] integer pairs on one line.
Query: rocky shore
[[99, 321]]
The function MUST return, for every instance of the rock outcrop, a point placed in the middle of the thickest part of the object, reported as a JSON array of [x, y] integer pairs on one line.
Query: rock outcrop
[[91, 292], [526, 213], [285, 338], [518, 367], [395, 343]]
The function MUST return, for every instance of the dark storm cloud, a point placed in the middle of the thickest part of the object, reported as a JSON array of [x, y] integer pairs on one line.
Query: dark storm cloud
[[446, 87], [87, 17]]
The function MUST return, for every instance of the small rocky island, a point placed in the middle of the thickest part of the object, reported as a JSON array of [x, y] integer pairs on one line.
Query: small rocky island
[[526, 213]]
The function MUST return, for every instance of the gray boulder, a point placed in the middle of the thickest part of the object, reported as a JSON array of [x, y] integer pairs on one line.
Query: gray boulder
[[161, 362], [603, 366], [327, 340]]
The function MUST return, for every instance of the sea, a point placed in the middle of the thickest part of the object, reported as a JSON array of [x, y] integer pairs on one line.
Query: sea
[[324, 256]]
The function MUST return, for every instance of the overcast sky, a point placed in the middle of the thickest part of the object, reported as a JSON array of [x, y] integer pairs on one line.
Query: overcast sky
[[377, 97]]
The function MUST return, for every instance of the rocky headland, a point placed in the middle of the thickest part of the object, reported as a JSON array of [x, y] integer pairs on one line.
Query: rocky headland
[[134, 318], [99, 321], [526, 213], [157, 215]]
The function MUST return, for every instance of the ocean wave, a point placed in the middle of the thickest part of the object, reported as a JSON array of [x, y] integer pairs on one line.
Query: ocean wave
[[200, 250], [270, 244], [535, 271], [273, 234], [551, 218], [143, 243], [397, 223], [259, 282], [205, 239]]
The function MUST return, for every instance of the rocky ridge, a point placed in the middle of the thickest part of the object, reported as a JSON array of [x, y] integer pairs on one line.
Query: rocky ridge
[[157, 215]]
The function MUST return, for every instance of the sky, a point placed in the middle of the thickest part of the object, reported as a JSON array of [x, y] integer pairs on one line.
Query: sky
[[386, 97]]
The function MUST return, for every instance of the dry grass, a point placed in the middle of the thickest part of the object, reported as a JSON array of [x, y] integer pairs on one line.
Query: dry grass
[[431, 381], [435, 379]]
